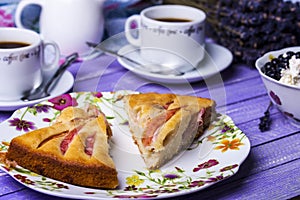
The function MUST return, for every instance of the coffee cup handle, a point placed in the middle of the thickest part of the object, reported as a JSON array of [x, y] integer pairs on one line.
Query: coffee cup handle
[[19, 10], [133, 25], [49, 68]]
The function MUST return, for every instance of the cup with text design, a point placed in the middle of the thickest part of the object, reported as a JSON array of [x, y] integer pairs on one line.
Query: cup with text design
[[22, 62], [170, 35]]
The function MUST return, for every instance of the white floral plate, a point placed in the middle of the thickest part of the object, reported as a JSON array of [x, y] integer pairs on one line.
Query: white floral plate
[[214, 157]]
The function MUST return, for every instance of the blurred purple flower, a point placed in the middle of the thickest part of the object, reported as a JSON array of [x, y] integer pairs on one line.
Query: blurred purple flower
[[130, 188], [133, 25], [275, 98], [46, 120], [22, 124], [230, 167], [171, 176], [215, 179], [206, 165], [63, 101], [6, 19], [197, 184], [179, 169], [97, 94], [225, 128], [41, 108]]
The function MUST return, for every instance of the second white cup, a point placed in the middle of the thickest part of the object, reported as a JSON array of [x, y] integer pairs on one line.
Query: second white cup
[[170, 35], [69, 23]]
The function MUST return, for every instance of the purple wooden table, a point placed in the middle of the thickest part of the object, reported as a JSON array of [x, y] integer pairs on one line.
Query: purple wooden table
[[271, 171]]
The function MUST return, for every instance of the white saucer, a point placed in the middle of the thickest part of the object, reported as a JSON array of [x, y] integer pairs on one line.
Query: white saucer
[[64, 85], [217, 58]]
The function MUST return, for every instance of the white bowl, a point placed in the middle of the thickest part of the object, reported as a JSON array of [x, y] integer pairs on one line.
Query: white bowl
[[285, 97]]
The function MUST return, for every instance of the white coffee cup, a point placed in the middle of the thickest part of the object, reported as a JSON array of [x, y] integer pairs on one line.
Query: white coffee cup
[[170, 35], [22, 68], [69, 23]]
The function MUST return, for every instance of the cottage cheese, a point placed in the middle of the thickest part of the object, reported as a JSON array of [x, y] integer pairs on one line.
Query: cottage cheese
[[291, 75]]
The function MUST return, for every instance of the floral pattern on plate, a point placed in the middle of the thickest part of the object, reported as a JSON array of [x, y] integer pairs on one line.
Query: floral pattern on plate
[[216, 156]]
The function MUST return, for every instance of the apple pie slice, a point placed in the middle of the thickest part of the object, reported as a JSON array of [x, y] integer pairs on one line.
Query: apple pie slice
[[162, 125], [74, 150]]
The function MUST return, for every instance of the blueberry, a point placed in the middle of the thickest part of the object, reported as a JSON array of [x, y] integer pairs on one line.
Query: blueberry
[[275, 61], [283, 58], [271, 74], [268, 65], [276, 65], [290, 54], [280, 67]]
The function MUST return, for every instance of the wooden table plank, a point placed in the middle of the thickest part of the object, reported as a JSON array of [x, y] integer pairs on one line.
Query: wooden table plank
[[10, 185], [251, 109], [280, 127]]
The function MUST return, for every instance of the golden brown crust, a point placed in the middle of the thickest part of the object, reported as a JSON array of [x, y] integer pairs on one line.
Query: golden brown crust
[[150, 99], [83, 174], [41, 151]]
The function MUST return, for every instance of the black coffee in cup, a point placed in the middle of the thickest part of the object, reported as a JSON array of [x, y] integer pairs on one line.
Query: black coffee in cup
[[12, 44], [172, 19]]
